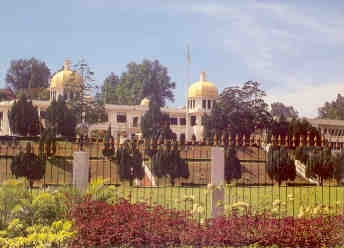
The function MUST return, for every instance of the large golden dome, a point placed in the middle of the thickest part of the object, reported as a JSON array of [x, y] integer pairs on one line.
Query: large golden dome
[[66, 78], [203, 88]]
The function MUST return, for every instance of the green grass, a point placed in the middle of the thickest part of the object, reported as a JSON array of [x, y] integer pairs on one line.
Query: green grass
[[186, 199]]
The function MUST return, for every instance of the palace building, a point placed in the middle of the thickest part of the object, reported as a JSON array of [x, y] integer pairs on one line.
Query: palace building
[[125, 119]]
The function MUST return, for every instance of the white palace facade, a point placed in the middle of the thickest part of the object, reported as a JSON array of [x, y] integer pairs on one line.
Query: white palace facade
[[125, 119]]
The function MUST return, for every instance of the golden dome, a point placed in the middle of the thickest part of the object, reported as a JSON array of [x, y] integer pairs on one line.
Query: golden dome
[[66, 78], [145, 102], [203, 88]]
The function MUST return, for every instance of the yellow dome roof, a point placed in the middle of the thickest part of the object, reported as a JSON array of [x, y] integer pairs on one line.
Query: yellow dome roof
[[203, 88], [66, 78], [145, 102]]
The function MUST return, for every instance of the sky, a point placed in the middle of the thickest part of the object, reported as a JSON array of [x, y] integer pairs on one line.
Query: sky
[[294, 49]]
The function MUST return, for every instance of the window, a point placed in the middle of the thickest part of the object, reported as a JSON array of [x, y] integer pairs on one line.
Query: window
[[204, 104], [209, 104], [121, 117], [135, 121], [193, 120], [182, 121], [173, 121]]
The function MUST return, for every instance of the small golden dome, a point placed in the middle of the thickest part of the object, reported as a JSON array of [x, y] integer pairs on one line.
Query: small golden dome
[[66, 78], [145, 102], [203, 88]]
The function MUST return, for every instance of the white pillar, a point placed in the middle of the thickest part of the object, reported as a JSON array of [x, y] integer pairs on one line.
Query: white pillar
[[80, 170], [217, 178]]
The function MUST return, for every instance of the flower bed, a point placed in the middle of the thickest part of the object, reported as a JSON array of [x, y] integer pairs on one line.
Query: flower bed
[[99, 224]]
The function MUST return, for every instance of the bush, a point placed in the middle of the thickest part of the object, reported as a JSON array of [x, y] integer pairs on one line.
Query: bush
[[99, 224], [28, 165]]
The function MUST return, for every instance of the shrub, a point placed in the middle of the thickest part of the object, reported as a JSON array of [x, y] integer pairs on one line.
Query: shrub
[[280, 166], [99, 224], [27, 164]]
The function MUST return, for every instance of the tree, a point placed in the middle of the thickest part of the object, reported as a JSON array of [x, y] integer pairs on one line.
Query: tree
[[23, 118], [109, 89], [278, 110], [321, 165], [129, 160], [59, 116], [109, 149], [27, 73], [95, 110], [232, 165], [302, 128], [155, 124], [148, 79], [168, 163], [238, 111], [27, 164], [280, 166], [333, 110]]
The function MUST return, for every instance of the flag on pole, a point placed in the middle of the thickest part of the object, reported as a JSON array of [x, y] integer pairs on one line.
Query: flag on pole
[[188, 58]]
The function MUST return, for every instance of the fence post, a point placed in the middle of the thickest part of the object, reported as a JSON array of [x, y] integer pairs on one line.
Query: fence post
[[217, 178], [80, 170]]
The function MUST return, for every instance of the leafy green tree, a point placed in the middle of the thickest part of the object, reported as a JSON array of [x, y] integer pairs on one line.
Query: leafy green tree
[[280, 166], [59, 116], [232, 165], [109, 89], [280, 126], [23, 118], [129, 160], [301, 127], [278, 110], [148, 79], [333, 110], [27, 73], [238, 111], [321, 165], [155, 124], [27, 164], [168, 163]]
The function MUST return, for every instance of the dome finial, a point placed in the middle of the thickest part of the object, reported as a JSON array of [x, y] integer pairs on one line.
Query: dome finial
[[66, 65], [203, 77]]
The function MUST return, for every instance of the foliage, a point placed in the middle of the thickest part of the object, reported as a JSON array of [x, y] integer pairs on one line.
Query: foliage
[[321, 164], [109, 89], [27, 73], [232, 165], [95, 110], [139, 225], [278, 110], [280, 166], [167, 162], [156, 125], [301, 128], [333, 110], [23, 118], [27, 164], [130, 162], [238, 111], [109, 149], [61, 118], [124, 224], [47, 143], [148, 79], [58, 234]]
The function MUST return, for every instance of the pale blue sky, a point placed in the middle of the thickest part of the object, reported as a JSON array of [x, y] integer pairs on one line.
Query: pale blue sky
[[293, 48]]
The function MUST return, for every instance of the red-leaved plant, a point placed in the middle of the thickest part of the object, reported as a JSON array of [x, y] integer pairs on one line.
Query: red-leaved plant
[[99, 224]]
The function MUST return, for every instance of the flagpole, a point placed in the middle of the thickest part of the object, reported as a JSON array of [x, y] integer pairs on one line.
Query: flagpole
[[188, 60]]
